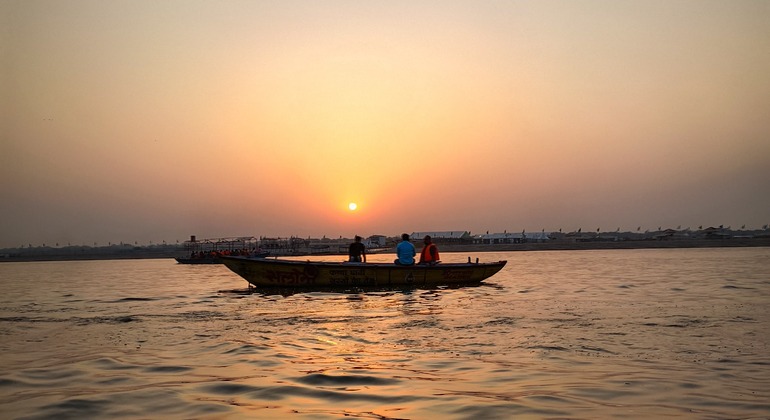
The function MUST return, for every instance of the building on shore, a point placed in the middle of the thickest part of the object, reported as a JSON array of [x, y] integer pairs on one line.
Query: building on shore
[[448, 237], [512, 238]]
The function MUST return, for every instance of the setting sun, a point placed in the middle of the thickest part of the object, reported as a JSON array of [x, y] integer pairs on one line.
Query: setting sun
[[352, 206]]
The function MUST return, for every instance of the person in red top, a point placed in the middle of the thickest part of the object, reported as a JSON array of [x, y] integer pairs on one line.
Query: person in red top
[[429, 254]]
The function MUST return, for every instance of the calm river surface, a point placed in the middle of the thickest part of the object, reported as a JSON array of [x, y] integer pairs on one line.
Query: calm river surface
[[676, 333]]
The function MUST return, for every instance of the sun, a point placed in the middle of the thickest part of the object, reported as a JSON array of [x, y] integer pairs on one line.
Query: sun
[[352, 206]]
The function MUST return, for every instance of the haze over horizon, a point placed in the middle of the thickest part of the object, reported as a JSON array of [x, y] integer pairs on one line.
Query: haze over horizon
[[138, 121]]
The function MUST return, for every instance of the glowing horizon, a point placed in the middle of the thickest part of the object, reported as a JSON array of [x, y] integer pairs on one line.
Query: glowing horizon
[[153, 122]]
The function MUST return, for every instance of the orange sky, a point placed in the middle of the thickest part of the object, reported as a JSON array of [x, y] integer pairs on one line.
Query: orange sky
[[141, 121]]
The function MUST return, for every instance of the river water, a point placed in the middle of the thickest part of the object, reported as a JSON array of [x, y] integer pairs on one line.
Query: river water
[[681, 333]]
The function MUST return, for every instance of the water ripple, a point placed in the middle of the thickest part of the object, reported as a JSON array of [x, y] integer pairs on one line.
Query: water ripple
[[639, 334]]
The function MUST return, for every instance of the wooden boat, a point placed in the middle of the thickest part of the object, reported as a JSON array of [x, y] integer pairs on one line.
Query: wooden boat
[[288, 274], [198, 260], [214, 259], [209, 251]]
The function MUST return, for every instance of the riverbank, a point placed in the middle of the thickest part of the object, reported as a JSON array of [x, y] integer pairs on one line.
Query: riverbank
[[554, 245], [589, 245]]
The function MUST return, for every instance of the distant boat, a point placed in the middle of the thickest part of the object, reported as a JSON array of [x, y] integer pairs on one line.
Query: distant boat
[[289, 274], [202, 260], [209, 251], [214, 259]]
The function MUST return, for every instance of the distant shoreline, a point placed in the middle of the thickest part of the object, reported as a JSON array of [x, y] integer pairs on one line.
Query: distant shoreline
[[605, 245], [556, 245]]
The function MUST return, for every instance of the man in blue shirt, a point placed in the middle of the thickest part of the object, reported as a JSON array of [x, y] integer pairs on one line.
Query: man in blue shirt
[[405, 251]]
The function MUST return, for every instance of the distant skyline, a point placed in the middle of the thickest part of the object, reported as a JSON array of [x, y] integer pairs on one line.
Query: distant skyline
[[139, 121], [415, 236]]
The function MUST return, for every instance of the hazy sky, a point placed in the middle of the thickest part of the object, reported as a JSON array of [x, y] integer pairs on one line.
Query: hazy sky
[[141, 121]]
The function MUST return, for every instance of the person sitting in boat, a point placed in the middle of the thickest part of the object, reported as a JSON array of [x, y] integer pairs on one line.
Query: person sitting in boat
[[429, 254], [405, 251], [357, 251]]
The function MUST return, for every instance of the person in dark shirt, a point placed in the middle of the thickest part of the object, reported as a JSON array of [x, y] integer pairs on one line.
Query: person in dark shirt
[[357, 251]]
